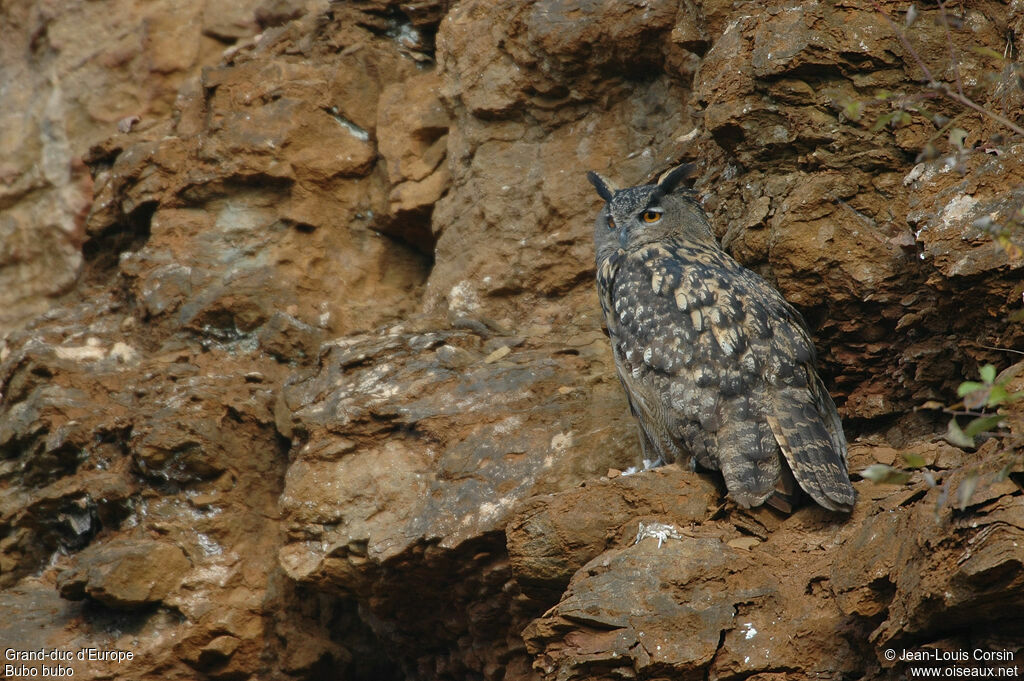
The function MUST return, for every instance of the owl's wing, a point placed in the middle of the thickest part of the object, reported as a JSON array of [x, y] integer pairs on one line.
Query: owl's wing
[[830, 415], [800, 411], [607, 268]]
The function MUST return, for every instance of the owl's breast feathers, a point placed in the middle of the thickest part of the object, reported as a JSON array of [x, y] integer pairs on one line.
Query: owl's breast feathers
[[689, 305], [716, 360]]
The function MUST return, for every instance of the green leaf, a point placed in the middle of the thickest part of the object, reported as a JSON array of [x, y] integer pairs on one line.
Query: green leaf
[[882, 121], [968, 387], [900, 119], [957, 437], [987, 52], [966, 490], [882, 474], [978, 398], [853, 110], [988, 374], [914, 460], [983, 424], [997, 395]]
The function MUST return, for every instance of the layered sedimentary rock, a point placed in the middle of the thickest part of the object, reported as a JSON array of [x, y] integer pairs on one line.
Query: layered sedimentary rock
[[320, 389]]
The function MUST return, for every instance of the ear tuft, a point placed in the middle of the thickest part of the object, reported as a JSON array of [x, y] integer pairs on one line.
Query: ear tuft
[[671, 179], [604, 188]]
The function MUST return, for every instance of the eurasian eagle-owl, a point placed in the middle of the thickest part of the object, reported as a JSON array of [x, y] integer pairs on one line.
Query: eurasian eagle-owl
[[716, 364]]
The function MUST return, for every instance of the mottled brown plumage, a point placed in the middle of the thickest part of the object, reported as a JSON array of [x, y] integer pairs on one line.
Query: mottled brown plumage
[[717, 366]]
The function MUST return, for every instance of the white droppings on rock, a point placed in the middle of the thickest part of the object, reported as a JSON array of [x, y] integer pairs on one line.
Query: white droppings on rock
[[688, 136], [208, 545], [561, 442], [508, 425], [660, 531], [90, 352], [490, 509], [123, 353], [463, 299], [921, 170], [958, 209]]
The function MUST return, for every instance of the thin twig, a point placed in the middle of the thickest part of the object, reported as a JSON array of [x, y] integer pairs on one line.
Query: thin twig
[[966, 101], [992, 347], [942, 131], [942, 88], [954, 412], [952, 49]]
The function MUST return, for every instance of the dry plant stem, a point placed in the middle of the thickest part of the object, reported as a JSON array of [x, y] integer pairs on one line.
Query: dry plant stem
[[992, 347], [942, 88], [972, 414], [952, 50], [966, 101], [942, 131]]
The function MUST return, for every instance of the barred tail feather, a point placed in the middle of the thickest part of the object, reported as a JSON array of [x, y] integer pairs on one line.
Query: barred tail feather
[[750, 473], [810, 449]]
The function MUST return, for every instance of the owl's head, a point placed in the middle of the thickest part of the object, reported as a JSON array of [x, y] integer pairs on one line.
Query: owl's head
[[636, 216]]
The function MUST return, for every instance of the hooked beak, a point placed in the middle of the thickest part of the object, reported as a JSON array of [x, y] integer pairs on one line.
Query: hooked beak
[[623, 238]]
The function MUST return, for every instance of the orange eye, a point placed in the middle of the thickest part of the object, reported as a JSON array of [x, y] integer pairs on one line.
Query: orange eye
[[651, 216], [611, 222]]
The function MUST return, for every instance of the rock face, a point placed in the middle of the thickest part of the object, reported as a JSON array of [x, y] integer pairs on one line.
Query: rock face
[[74, 73], [320, 389], [124, 574]]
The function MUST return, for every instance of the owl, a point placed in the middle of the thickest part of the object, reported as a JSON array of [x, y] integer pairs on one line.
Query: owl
[[718, 368]]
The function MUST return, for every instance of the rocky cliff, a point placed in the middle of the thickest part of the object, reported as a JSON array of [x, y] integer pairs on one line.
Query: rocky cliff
[[319, 387]]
